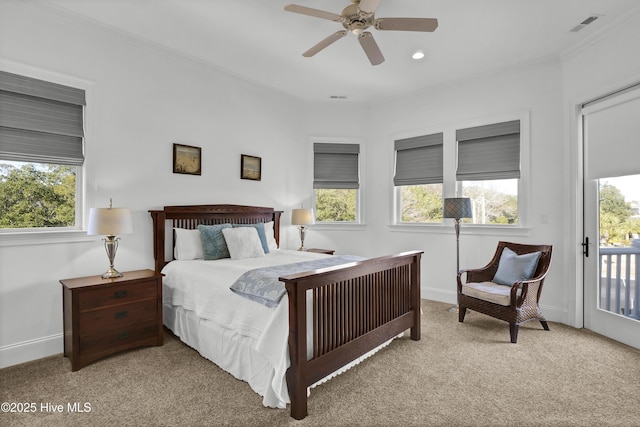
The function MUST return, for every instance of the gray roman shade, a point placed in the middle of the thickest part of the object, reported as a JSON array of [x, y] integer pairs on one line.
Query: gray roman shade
[[40, 122], [335, 165], [419, 160], [489, 152]]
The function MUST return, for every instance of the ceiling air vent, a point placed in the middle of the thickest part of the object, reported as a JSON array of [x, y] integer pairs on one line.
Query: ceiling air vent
[[584, 23]]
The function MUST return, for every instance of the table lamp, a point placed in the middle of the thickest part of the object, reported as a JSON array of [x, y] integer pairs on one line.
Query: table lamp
[[302, 217], [110, 222]]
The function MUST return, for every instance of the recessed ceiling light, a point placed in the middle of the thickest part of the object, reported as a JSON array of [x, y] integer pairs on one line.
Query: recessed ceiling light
[[418, 54]]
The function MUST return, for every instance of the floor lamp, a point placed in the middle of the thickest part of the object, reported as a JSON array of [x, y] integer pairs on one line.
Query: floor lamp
[[457, 208]]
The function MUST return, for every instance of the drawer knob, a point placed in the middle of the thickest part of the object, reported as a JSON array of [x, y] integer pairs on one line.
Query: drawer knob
[[122, 335], [120, 294], [121, 314]]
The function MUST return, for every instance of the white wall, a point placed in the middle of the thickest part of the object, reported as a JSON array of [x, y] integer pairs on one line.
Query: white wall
[[141, 101]]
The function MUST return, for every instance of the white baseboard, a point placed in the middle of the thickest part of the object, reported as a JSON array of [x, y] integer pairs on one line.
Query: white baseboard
[[27, 351], [435, 294]]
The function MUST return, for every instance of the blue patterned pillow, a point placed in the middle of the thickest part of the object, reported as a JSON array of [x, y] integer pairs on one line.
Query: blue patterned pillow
[[261, 233], [213, 244], [513, 267]]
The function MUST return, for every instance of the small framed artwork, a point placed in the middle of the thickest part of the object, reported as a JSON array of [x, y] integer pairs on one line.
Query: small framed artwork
[[250, 167], [187, 159]]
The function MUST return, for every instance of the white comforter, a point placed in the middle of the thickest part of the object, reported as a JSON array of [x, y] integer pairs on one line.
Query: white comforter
[[203, 288]]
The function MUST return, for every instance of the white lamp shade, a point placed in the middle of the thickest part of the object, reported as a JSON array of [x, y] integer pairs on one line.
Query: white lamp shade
[[109, 221], [302, 217]]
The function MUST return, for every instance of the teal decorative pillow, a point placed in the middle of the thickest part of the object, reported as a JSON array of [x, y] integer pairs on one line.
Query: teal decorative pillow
[[213, 244], [261, 234], [513, 267]]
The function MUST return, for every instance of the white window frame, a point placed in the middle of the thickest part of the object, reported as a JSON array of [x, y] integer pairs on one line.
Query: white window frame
[[450, 157], [360, 192], [45, 235]]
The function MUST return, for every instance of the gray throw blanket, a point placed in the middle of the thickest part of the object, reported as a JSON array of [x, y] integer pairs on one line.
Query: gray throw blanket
[[262, 284]]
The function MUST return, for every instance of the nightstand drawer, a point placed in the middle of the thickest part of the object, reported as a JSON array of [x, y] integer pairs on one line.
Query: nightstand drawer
[[116, 316], [117, 294], [124, 337]]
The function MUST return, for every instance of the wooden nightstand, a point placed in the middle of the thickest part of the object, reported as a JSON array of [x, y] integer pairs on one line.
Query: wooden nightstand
[[106, 316], [322, 251]]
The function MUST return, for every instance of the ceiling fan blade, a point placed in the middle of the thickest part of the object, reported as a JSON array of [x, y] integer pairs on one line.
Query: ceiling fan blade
[[324, 43], [371, 48], [313, 12], [368, 6], [407, 24]]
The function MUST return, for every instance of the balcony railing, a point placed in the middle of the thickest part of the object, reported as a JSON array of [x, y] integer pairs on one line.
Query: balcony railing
[[619, 281]]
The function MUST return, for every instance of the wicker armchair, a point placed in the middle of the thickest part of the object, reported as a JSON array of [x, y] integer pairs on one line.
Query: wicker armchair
[[516, 304]]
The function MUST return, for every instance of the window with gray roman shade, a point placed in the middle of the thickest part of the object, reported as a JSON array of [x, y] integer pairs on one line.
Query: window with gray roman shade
[[419, 160], [489, 152], [40, 122], [335, 165]]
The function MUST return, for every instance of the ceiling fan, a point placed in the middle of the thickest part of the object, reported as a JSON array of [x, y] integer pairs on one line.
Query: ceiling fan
[[356, 18]]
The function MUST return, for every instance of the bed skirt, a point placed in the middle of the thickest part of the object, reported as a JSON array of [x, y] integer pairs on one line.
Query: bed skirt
[[239, 357]]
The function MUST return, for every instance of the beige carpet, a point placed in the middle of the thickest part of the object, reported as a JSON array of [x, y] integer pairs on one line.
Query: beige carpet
[[457, 374]]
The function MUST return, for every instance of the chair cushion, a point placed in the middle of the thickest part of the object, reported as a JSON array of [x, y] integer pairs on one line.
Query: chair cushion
[[513, 267], [489, 291]]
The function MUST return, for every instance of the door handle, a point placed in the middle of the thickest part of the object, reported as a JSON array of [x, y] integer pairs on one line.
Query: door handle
[[585, 247]]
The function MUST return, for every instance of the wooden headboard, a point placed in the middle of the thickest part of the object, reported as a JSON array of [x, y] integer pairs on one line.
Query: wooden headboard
[[191, 216]]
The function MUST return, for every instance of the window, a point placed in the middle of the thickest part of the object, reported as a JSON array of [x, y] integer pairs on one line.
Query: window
[[418, 178], [489, 171], [336, 182], [41, 153]]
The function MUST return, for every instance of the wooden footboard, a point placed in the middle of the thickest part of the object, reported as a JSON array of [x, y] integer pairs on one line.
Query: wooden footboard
[[354, 309]]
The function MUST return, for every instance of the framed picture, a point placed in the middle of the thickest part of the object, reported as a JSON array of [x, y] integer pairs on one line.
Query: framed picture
[[187, 159], [250, 167]]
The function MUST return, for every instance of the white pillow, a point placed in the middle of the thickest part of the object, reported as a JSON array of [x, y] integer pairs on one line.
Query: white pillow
[[271, 238], [188, 244], [243, 242]]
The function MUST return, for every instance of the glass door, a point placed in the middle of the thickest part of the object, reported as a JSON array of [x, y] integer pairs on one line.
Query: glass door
[[611, 132]]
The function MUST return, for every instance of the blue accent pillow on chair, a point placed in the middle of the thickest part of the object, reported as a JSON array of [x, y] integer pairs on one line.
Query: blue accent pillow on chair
[[513, 267], [213, 244]]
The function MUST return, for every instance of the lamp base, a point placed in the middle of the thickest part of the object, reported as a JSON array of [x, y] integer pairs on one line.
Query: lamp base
[[112, 274], [303, 233]]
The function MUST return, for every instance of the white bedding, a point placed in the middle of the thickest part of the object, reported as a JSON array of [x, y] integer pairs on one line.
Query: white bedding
[[243, 337], [202, 288]]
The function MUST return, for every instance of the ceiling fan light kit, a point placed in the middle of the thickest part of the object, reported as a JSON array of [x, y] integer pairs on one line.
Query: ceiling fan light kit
[[356, 18]]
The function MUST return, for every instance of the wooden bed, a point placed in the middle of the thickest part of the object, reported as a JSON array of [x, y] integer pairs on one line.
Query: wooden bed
[[355, 308]]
